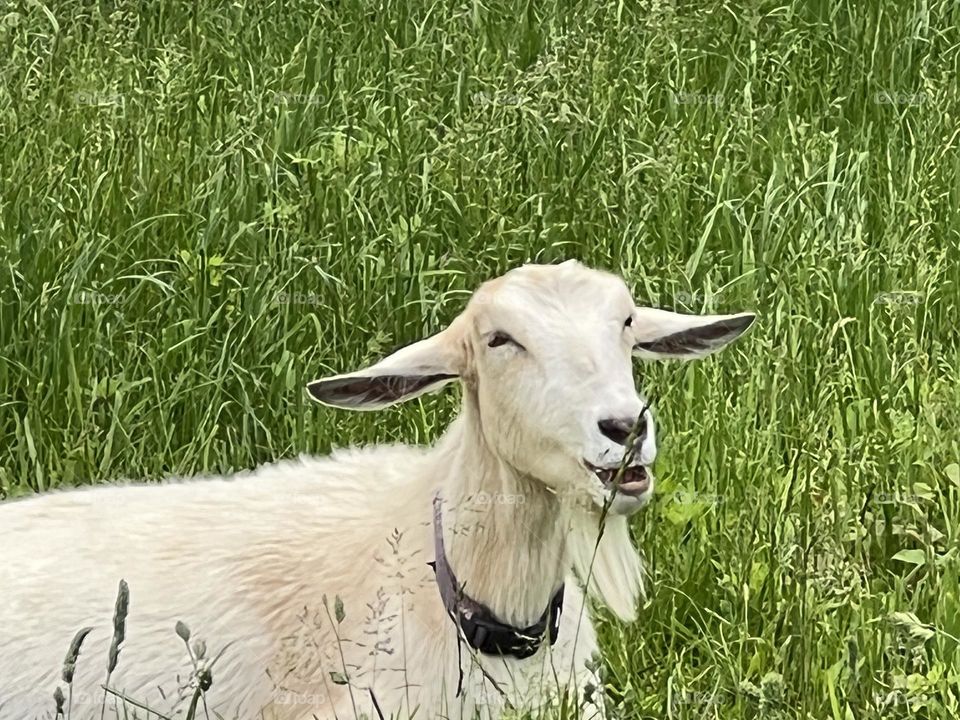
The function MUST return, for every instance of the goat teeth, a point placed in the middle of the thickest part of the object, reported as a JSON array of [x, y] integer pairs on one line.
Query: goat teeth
[[606, 475]]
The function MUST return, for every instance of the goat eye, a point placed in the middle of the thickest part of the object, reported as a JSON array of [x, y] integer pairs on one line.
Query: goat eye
[[628, 322], [500, 338]]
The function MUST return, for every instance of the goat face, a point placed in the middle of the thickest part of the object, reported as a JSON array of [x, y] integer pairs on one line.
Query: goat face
[[544, 353]]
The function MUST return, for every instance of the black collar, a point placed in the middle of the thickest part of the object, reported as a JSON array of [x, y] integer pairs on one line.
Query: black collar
[[481, 629]]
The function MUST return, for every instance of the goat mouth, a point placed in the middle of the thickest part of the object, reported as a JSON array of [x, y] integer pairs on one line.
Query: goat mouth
[[633, 481]]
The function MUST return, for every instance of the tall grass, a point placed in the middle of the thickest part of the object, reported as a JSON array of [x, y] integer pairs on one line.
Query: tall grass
[[203, 205]]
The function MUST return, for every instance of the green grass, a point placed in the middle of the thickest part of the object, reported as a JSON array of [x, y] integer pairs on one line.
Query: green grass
[[205, 204]]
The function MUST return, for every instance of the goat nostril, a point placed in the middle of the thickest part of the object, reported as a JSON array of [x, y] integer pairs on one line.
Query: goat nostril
[[619, 429]]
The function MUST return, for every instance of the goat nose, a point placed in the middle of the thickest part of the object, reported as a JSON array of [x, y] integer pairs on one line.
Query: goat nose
[[619, 429]]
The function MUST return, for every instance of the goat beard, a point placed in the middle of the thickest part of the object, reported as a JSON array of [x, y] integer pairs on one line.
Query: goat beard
[[607, 563]]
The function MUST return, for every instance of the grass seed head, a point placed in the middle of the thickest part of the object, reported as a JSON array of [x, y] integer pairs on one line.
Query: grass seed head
[[73, 652], [58, 699], [119, 625]]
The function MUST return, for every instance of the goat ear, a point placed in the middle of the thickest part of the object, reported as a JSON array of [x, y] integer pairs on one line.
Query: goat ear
[[663, 334], [419, 368]]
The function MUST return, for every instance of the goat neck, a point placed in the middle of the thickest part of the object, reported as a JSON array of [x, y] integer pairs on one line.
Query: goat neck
[[504, 533]]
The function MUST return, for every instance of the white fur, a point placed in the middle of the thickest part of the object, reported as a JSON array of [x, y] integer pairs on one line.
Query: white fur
[[247, 561]]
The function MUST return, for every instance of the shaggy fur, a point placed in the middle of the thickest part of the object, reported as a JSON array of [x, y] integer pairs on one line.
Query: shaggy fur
[[255, 564]]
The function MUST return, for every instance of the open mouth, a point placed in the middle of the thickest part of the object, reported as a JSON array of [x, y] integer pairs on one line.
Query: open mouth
[[633, 481]]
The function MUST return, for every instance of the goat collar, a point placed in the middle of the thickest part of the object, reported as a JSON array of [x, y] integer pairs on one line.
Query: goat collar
[[481, 628]]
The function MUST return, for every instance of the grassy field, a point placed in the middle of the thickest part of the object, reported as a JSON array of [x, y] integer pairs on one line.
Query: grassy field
[[205, 204]]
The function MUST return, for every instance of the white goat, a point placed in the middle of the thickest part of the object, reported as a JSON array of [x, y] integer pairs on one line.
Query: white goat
[[508, 503]]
